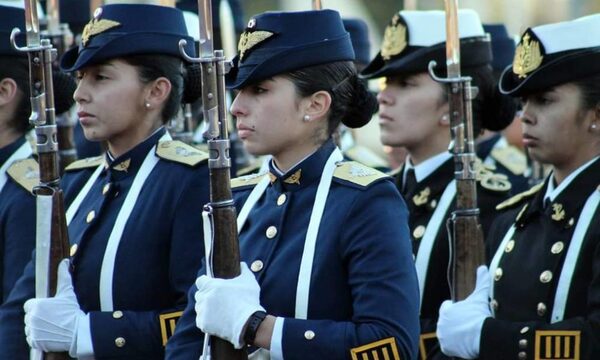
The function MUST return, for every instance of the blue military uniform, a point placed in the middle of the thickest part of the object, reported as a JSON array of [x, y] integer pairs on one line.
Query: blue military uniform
[[18, 175], [350, 306]]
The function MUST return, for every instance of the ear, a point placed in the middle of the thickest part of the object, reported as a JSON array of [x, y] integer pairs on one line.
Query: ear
[[157, 92], [8, 91], [444, 115], [317, 105]]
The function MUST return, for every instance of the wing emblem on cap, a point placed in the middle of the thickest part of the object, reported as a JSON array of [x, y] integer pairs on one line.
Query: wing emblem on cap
[[96, 27], [528, 57], [249, 39], [394, 39]]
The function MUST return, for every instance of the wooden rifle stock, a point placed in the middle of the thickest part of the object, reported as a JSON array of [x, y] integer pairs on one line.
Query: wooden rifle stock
[[464, 227], [225, 246], [48, 255]]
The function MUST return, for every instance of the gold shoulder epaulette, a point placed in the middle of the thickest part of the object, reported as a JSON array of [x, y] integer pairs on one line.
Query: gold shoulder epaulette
[[357, 173], [247, 180], [520, 197], [511, 158], [85, 163], [366, 156], [180, 152], [25, 172], [395, 171], [490, 180]]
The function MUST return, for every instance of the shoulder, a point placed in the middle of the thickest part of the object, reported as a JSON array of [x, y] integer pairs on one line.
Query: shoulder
[[181, 153], [91, 162], [519, 198], [366, 156], [247, 181], [511, 158], [25, 172], [357, 175]]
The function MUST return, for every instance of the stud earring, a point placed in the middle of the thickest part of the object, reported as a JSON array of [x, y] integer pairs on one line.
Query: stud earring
[[306, 118], [594, 126], [147, 105]]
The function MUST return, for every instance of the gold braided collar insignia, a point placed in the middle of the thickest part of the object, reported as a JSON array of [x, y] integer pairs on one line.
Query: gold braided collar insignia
[[394, 39], [528, 56], [250, 39], [95, 27]]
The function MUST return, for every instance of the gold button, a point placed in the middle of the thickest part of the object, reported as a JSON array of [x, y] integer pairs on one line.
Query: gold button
[[541, 309], [281, 199], [509, 246], [271, 232], [433, 203], [73, 250], [419, 232], [106, 188], [117, 314], [522, 355], [546, 276], [558, 247], [309, 334], [523, 344], [498, 274], [494, 304], [256, 266], [120, 342], [90, 216], [525, 329], [570, 223]]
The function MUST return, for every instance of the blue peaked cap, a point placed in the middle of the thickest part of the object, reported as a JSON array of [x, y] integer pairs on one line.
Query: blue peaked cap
[[503, 46], [11, 17], [129, 29], [359, 35], [278, 42]]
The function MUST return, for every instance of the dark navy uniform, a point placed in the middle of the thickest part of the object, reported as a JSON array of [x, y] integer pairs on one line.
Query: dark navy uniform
[[423, 198], [17, 213], [162, 243], [525, 285], [505, 159], [363, 289]]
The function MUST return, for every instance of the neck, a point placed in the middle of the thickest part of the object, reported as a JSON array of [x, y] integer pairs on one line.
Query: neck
[[288, 158], [7, 136], [562, 170], [122, 143], [426, 150]]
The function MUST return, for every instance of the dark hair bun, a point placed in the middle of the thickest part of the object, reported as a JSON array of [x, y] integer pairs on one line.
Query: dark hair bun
[[500, 111], [64, 86], [362, 105], [192, 84]]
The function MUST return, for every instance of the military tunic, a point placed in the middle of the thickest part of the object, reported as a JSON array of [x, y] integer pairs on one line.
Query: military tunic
[[156, 259], [422, 200], [363, 289], [530, 266], [506, 159], [17, 213]]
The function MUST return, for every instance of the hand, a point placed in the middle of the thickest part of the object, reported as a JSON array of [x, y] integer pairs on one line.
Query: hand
[[459, 324], [51, 323], [223, 306]]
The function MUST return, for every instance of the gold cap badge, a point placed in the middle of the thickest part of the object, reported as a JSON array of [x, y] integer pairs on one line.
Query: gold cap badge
[[95, 27], [394, 39], [250, 39], [528, 56]]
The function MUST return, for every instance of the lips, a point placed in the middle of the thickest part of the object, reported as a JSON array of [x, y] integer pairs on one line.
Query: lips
[[529, 140], [244, 131]]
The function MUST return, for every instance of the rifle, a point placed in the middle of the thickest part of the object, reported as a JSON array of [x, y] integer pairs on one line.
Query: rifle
[[221, 208], [464, 227], [52, 242], [61, 37]]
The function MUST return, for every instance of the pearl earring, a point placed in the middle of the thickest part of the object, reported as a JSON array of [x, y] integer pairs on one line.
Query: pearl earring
[[306, 118], [594, 126], [147, 105]]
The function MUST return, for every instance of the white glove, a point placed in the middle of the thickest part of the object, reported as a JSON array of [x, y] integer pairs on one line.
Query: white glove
[[51, 323], [223, 306], [459, 324]]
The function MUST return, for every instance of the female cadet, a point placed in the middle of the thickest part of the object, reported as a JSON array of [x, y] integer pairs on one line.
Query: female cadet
[[326, 241], [134, 213], [545, 247], [413, 113]]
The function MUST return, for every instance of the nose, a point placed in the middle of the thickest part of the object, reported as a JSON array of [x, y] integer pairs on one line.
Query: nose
[[527, 116], [237, 106], [385, 97], [81, 94]]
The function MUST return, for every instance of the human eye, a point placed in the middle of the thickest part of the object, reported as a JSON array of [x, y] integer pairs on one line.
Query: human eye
[[258, 89]]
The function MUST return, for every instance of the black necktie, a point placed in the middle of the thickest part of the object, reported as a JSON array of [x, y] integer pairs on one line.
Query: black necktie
[[410, 182]]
